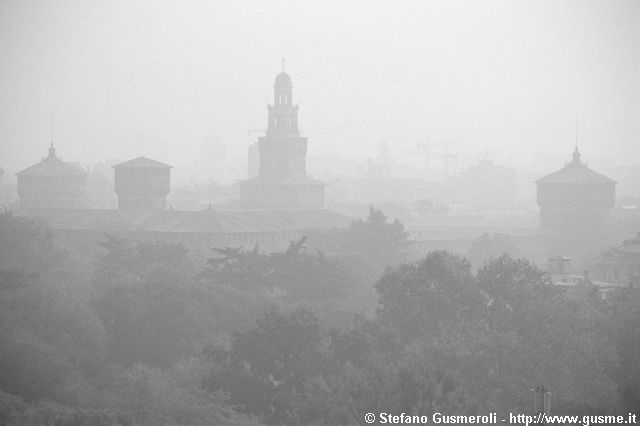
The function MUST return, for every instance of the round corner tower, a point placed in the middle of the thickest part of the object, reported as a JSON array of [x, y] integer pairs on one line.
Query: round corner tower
[[574, 204], [52, 184]]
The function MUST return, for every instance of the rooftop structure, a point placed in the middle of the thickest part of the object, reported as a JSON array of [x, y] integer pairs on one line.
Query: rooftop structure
[[574, 195], [142, 184], [575, 203], [620, 264], [52, 183]]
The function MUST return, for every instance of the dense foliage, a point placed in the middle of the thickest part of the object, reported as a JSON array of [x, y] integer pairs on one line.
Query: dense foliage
[[147, 335]]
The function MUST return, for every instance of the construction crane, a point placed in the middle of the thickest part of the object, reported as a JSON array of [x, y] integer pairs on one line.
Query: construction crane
[[424, 148]]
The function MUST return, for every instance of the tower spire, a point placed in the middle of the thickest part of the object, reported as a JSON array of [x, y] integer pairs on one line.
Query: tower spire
[[52, 150], [576, 132], [282, 64], [576, 153]]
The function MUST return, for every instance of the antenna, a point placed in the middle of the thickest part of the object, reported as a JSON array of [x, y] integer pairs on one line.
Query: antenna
[[282, 64]]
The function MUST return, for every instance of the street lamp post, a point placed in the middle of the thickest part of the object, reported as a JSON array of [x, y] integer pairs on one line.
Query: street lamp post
[[543, 404]]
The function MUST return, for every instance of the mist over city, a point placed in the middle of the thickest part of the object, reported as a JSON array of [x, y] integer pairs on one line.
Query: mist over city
[[319, 213]]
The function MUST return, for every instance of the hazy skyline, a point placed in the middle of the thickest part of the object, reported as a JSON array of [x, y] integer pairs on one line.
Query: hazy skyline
[[128, 78]]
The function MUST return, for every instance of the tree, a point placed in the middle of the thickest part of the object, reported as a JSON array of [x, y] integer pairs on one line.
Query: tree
[[266, 368], [514, 287], [536, 335], [382, 242], [124, 261], [244, 269], [505, 330], [31, 368], [294, 273], [429, 296], [146, 301], [16, 412], [623, 327], [489, 246], [50, 337], [27, 245], [418, 380], [174, 396]]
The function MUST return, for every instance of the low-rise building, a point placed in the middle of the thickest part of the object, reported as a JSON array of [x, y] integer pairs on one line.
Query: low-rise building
[[620, 264]]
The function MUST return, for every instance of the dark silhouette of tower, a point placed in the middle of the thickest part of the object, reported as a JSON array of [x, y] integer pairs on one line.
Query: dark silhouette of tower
[[52, 183], [142, 184], [282, 181]]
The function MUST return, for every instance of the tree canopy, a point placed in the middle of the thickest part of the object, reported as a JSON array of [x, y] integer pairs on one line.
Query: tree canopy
[[156, 336]]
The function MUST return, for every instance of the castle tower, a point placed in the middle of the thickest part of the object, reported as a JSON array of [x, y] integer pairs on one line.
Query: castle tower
[[574, 204], [282, 181], [142, 184], [52, 184], [282, 151]]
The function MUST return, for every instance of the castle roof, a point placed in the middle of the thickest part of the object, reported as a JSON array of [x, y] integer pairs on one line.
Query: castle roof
[[52, 166], [197, 222], [142, 163], [576, 173]]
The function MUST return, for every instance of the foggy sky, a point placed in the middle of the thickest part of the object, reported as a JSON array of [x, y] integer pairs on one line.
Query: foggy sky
[[126, 78]]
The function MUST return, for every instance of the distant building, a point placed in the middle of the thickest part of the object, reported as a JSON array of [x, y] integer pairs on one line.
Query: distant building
[[380, 168], [142, 184], [200, 230], [52, 184], [486, 186], [559, 265], [575, 196], [620, 264], [575, 203], [253, 161], [282, 181], [354, 196]]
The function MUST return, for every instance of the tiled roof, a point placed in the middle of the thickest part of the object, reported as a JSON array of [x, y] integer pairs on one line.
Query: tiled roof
[[205, 221], [141, 162], [52, 166], [576, 173]]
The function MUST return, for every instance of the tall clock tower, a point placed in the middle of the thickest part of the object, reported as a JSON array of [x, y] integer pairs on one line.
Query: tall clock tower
[[282, 181]]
